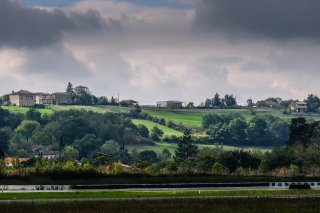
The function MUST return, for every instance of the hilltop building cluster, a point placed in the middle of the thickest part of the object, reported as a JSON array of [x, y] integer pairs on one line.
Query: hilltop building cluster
[[27, 98]]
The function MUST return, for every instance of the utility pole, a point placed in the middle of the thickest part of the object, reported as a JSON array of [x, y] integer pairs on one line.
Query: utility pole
[[119, 99]]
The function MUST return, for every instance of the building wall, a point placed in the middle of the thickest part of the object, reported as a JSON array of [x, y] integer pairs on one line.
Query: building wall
[[23, 100], [176, 104], [14, 100], [44, 99], [62, 99]]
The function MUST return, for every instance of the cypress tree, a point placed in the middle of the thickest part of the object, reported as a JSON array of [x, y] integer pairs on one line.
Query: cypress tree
[[186, 149]]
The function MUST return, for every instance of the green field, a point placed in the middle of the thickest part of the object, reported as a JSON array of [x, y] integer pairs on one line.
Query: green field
[[193, 117], [152, 193], [172, 205], [99, 109], [188, 117], [172, 147], [149, 124], [15, 109]]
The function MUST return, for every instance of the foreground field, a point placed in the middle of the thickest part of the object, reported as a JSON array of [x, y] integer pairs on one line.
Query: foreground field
[[155, 194], [172, 147], [186, 205]]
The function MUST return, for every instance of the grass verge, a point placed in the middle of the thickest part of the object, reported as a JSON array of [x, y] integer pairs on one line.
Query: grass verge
[[153, 194]]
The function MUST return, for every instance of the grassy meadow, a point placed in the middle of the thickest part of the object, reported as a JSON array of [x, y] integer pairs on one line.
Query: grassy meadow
[[189, 205], [193, 117], [149, 124], [190, 202], [15, 109], [174, 193]]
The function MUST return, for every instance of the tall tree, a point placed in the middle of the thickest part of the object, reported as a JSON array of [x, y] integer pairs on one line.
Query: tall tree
[[27, 128], [216, 101], [208, 103], [229, 101], [313, 103], [69, 89], [186, 149], [82, 95]]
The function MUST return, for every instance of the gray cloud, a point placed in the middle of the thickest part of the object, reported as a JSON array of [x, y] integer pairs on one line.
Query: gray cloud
[[283, 19], [32, 27]]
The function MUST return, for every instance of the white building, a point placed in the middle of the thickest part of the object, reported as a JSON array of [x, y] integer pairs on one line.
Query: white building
[[299, 106], [171, 104]]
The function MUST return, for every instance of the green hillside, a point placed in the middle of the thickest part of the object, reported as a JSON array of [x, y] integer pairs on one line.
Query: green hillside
[[188, 117], [99, 109], [193, 117], [23, 110], [149, 124]]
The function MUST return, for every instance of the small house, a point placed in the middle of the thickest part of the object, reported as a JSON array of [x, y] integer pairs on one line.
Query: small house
[[299, 106]]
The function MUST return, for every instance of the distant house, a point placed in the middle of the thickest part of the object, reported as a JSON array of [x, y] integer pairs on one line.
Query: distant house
[[22, 98], [299, 106], [39, 152], [272, 104], [47, 155], [169, 104], [44, 98], [62, 98], [9, 161]]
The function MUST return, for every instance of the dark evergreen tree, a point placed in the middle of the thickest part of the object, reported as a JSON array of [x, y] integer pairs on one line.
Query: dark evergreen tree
[[69, 89], [186, 149], [216, 101], [229, 101]]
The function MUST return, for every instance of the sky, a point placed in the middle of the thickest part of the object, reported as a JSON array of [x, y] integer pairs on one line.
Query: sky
[[150, 50]]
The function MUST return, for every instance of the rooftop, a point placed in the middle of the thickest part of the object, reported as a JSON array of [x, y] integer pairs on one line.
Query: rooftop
[[22, 92]]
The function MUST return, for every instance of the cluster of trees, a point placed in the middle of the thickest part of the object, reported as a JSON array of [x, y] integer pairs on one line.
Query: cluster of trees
[[86, 133], [312, 101], [228, 101], [81, 95], [233, 129]]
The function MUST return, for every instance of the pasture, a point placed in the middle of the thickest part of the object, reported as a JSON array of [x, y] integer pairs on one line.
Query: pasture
[[193, 117], [149, 124], [167, 201]]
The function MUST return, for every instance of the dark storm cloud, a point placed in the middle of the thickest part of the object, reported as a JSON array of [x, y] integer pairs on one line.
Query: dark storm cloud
[[279, 19], [32, 27]]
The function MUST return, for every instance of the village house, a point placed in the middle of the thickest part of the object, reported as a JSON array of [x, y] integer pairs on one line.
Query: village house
[[272, 104], [37, 151], [9, 161], [44, 98], [299, 106], [22, 98], [62, 98], [170, 104], [26, 98], [47, 155]]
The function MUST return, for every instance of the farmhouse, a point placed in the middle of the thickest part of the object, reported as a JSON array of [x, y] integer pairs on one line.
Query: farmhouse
[[9, 161], [169, 104], [26, 98], [22, 98], [62, 98], [44, 98], [299, 106], [47, 155], [272, 104]]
